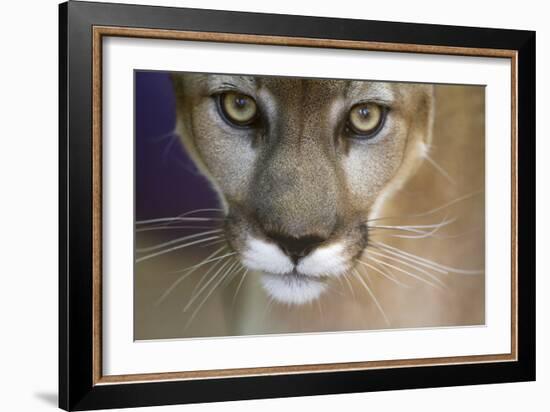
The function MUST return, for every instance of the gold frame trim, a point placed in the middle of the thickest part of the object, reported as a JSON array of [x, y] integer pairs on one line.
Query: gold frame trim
[[101, 31]]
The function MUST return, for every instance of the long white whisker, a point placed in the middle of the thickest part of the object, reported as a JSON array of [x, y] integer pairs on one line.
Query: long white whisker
[[421, 279], [440, 169], [320, 307], [182, 217], [239, 287], [432, 263], [163, 252], [176, 219], [417, 228], [205, 276], [207, 296], [405, 263], [178, 240], [349, 285], [432, 211], [230, 277], [444, 223], [268, 306], [358, 276], [430, 233], [164, 227], [417, 260], [376, 228], [195, 211], [340, 283], [338, 290], [383, 274], [198, 293], [215, 242], [427, 235], [204, 262], [190, 271]]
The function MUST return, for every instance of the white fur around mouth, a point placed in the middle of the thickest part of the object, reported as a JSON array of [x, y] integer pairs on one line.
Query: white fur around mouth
[[292, 288], [287, 283]]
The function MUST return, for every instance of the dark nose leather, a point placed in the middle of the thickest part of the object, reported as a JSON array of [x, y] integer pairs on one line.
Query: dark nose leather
[[296, 247]]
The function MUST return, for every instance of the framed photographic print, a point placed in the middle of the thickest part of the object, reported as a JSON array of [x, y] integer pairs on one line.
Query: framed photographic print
[[258, 205]]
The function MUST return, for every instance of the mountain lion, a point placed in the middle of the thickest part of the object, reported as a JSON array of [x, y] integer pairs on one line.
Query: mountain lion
[[311, 175]]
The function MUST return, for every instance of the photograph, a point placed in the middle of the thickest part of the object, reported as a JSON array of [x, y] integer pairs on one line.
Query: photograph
[[214, 206], [288, 205], [256, 205]]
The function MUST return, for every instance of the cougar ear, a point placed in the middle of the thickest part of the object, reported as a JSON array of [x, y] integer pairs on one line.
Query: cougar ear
[[420, 135], [422, 132]]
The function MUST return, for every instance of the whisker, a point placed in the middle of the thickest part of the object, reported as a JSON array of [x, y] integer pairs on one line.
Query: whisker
[[373, 229], [383, 274], [340, 283], [190, 270], [195, 211], [440, 169], [176, 219], [239, 286], [320, 310], [268, 306], [346, 279], [168, 135], [404, 263], [444, 223], [178, 240], [215, 242], [432, 211], [358, 276], [198, 293], [173, 140], [186, 215], [198, 265], [411, 258], [424, 236], [163, 252], [205, 277], [183, 217], [416, 228], [338, 291], [203, 301], [432, 263], [231, 277], [430, 233], [151, 228], [421, 279]]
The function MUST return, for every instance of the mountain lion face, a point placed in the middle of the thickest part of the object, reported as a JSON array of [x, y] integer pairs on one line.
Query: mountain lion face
[[301, 165]]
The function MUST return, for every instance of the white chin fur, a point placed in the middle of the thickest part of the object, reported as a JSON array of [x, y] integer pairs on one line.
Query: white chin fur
[[286, 283], [291, 289]]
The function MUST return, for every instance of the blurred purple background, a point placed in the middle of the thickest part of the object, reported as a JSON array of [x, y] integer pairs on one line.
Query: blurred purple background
[[166, 181]]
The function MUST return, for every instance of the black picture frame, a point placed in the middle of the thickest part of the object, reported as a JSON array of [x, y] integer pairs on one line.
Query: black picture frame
[[77, 390]]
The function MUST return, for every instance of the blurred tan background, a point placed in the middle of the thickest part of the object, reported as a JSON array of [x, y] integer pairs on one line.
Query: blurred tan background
[[457, 172]]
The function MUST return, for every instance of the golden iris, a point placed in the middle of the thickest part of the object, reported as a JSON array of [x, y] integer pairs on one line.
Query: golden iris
[[365, 119], [238, 108]]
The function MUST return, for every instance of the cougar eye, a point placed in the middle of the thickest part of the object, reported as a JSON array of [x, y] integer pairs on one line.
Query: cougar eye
[[238, 109], [366, 119]]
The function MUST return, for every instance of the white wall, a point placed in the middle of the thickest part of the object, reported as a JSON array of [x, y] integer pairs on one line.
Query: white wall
[[28, 202]]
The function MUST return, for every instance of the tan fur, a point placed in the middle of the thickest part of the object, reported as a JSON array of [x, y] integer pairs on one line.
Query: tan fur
[[301, 176]]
